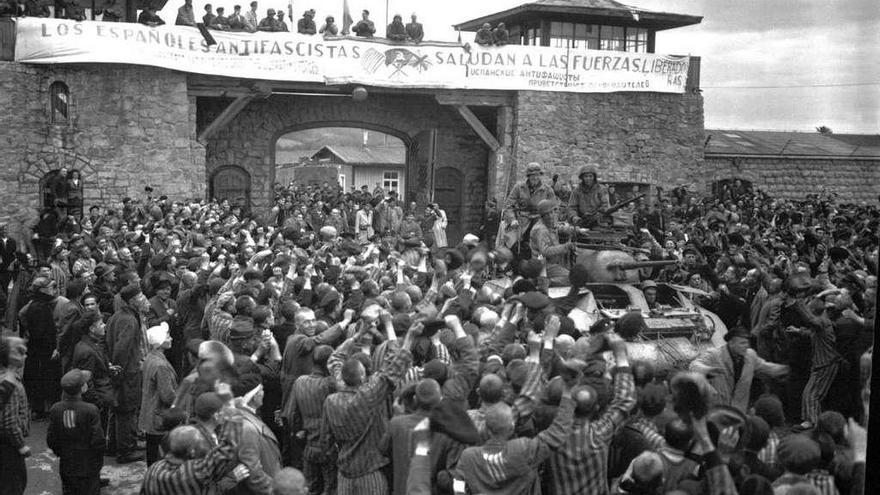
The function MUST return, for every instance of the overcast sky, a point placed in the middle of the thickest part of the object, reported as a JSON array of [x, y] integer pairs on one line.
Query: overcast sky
[[793, 46]]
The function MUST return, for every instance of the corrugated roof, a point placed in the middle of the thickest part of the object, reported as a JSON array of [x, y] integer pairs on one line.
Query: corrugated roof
[[736, 142], [872, 140], [359, 154]]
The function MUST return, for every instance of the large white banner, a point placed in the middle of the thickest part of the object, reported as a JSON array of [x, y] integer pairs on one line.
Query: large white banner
[[344, 60]]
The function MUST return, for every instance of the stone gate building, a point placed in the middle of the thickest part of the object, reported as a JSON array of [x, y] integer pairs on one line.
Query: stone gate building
[[183, 133]]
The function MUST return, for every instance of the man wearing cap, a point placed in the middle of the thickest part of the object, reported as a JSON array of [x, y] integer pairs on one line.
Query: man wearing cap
[[484, 35], [126, 348], [306, 25], [731, 368], [799, 321], [414, 30], [589, 199], [159, 384], [649, 289], [365, 27], [38, 327], [544, 243], [526, 195], [76, 437]]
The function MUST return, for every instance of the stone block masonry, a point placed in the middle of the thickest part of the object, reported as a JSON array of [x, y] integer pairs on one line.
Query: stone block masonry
[[650, 138], [127, 127], [852, 179]]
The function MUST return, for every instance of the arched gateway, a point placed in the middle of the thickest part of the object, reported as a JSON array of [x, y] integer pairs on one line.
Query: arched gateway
[[436, 136]]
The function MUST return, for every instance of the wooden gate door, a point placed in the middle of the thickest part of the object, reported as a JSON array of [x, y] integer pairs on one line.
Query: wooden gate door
[[449, 194], [232, 183]]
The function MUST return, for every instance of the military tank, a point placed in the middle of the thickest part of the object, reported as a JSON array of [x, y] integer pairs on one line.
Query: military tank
[[676, 329]]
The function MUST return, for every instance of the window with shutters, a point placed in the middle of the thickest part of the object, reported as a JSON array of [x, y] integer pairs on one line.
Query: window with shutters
[[59, 102]]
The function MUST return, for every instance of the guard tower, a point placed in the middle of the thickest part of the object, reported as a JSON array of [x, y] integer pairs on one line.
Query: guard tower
[[585, 24]]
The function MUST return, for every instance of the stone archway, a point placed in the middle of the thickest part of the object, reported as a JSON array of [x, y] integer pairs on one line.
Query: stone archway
[[435, 136]]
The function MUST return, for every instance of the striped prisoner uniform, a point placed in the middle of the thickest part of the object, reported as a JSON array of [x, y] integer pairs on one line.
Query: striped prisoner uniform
[[175, 476], [580, 465], [307, 409], [824, 357], [510, 467], [355, 420]]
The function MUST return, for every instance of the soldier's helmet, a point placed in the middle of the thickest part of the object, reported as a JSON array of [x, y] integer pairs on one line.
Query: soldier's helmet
[[588, 169], [534, 168]]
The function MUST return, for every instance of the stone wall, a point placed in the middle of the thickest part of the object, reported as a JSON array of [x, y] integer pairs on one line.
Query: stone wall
[[650, 138], [128, 127], [249, 140], [794, 178]]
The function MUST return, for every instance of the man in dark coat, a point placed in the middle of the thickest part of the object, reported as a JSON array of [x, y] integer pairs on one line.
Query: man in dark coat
[[76, 437], [306, 25], [396, 31], [125, 347], [365, 27], [38, 326], [7, 256], [90, 355], [414, 30]]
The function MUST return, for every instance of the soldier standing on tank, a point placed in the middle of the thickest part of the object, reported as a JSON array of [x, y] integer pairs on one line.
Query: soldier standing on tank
[[523, 200], [588, 199], [525, 195], [544, 243]]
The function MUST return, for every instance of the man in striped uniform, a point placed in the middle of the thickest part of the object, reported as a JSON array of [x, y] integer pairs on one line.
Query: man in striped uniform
[[191, 468], [580, 465], [510, 467], [14, 415], [824, 358], [306, 410], [355, 418]]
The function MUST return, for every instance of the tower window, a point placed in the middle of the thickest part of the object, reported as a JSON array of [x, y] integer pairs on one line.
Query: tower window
[[59, 100]]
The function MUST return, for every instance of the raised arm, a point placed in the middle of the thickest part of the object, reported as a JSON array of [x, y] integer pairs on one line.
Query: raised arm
[[466, 369], [624, 391]]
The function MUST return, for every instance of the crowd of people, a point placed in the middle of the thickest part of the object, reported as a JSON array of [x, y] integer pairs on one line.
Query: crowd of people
[[236, 21], [335, 343]]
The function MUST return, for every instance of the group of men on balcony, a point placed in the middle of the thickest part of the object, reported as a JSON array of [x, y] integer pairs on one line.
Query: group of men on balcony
[[125, 11]]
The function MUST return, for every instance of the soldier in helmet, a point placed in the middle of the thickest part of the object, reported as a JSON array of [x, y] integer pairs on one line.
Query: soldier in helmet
[[544, 242], [588, 199], [649, 288], [526, 195]]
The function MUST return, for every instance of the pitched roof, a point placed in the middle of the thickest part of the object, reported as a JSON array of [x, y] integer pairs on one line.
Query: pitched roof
[[782, 143], [359, 154], [611, 9]]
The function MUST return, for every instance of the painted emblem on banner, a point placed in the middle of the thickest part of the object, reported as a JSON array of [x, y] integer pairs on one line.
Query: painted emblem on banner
[[399, 59]]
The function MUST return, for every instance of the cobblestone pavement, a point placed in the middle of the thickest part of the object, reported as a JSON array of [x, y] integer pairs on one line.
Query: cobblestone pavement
[[43, 477]]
